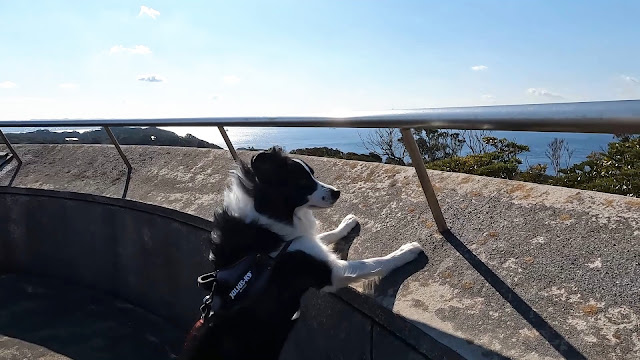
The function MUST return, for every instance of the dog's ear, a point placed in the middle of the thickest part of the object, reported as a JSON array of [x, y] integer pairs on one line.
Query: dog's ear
[[267, 163]]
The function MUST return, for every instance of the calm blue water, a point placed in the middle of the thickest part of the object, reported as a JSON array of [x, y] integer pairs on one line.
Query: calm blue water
[[350, 139]]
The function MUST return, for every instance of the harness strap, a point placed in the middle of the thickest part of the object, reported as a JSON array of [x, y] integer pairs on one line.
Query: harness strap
[[208, 282]]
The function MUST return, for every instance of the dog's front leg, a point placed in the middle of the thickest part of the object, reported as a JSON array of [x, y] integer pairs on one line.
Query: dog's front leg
[[348, 223], [348, 272]]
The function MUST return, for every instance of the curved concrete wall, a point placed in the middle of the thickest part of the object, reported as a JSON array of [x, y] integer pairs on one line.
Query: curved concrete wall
[[150, 256], [147, 255]]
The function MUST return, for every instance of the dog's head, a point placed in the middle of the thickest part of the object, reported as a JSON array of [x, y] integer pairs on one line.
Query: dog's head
[[283, 184]]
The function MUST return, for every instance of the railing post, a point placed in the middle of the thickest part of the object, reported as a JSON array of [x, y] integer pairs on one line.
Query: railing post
[[421, 171], [227, 141], [10, 147], [115, 143]]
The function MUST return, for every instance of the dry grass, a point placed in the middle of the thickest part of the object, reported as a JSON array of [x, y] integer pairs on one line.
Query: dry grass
[[370, 175], [411, 210], [467, 284], [493, 234], [529, 259], [573, 198], [429, 224], [446, 275], [476, 193], [635, 203], [516, 188], [564, 217], [465, 180], [482, 241], [589, 309], [391, 171], [608, 203]]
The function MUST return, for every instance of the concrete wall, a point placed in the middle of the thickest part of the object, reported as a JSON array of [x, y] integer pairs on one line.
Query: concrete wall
[[150, 256], [144, 254], [530, 270]]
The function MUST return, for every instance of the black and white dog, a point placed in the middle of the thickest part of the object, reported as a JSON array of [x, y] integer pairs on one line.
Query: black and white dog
[[268, 205]]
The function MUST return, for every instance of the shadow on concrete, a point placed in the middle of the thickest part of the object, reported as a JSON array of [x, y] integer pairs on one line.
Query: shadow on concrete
[[385, 290], [44, 318], [429, 341], [554, 338], [426, 341], [467, 349]]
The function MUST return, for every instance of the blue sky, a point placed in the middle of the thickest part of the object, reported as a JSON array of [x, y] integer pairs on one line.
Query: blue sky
[[214, 58]]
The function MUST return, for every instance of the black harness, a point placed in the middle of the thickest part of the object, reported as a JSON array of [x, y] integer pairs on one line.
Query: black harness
[[238, 284]]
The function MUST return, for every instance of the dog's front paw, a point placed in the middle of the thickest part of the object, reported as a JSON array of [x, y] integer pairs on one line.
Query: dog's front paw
[[409, 251], [349, 222]]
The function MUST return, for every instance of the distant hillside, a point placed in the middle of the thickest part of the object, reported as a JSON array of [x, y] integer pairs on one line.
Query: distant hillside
[[125, 136]]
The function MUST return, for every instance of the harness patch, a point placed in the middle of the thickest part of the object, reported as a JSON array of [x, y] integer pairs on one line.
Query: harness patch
[[242, 284]]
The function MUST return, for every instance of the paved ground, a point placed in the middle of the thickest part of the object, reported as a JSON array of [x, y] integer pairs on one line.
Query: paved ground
[[48, 320], [528, 272]]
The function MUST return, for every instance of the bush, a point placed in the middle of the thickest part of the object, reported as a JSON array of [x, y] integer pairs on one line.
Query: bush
[[535, 174], [616, 171], [501, 162]]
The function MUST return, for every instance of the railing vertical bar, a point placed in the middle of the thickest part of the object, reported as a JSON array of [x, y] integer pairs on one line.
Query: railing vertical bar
[[423, 176], [10, 147], [114, 141], [227, 141]]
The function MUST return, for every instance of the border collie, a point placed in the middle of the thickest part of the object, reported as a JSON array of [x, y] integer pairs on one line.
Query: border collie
[[269, 204]]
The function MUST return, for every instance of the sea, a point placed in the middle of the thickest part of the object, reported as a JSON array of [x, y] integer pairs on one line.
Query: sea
[[351, 140]]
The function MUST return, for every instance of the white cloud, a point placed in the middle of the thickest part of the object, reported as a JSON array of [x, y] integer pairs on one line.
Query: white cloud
[[479, 68], [68, 86], [488, 97], [230, 79], [543, 93], [138, 49], [151, 78], [7, 85], [152, 13], [630, 79]]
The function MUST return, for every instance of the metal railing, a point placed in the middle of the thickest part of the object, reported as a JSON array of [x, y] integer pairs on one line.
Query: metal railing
[[611, 117]]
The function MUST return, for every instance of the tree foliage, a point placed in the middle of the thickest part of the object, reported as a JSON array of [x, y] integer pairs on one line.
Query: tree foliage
[[615, 171], [500, 161]]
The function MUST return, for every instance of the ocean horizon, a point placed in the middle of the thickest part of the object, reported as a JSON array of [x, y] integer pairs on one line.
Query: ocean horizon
[[351, 140]]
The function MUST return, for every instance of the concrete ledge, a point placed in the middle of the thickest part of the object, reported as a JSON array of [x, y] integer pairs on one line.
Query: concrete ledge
[[150, 256], [520, 252], [144, 254]]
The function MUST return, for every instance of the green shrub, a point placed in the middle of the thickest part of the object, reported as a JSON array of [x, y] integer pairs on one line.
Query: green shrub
[[616, 171], [501, 162]]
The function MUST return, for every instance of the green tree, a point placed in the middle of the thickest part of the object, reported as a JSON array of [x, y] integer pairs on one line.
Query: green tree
[[615, 171], [500, 161], [438, 144]]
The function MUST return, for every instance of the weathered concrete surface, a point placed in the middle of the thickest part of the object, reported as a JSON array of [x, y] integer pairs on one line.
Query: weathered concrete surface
[[143, 254], [149, 256], [49, 320], [558, 268]]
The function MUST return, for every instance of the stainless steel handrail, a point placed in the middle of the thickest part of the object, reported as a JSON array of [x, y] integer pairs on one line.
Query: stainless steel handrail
[[612, 117], [584, 117]]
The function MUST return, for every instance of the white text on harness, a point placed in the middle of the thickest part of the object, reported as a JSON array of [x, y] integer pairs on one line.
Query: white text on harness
[[241, 285]]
